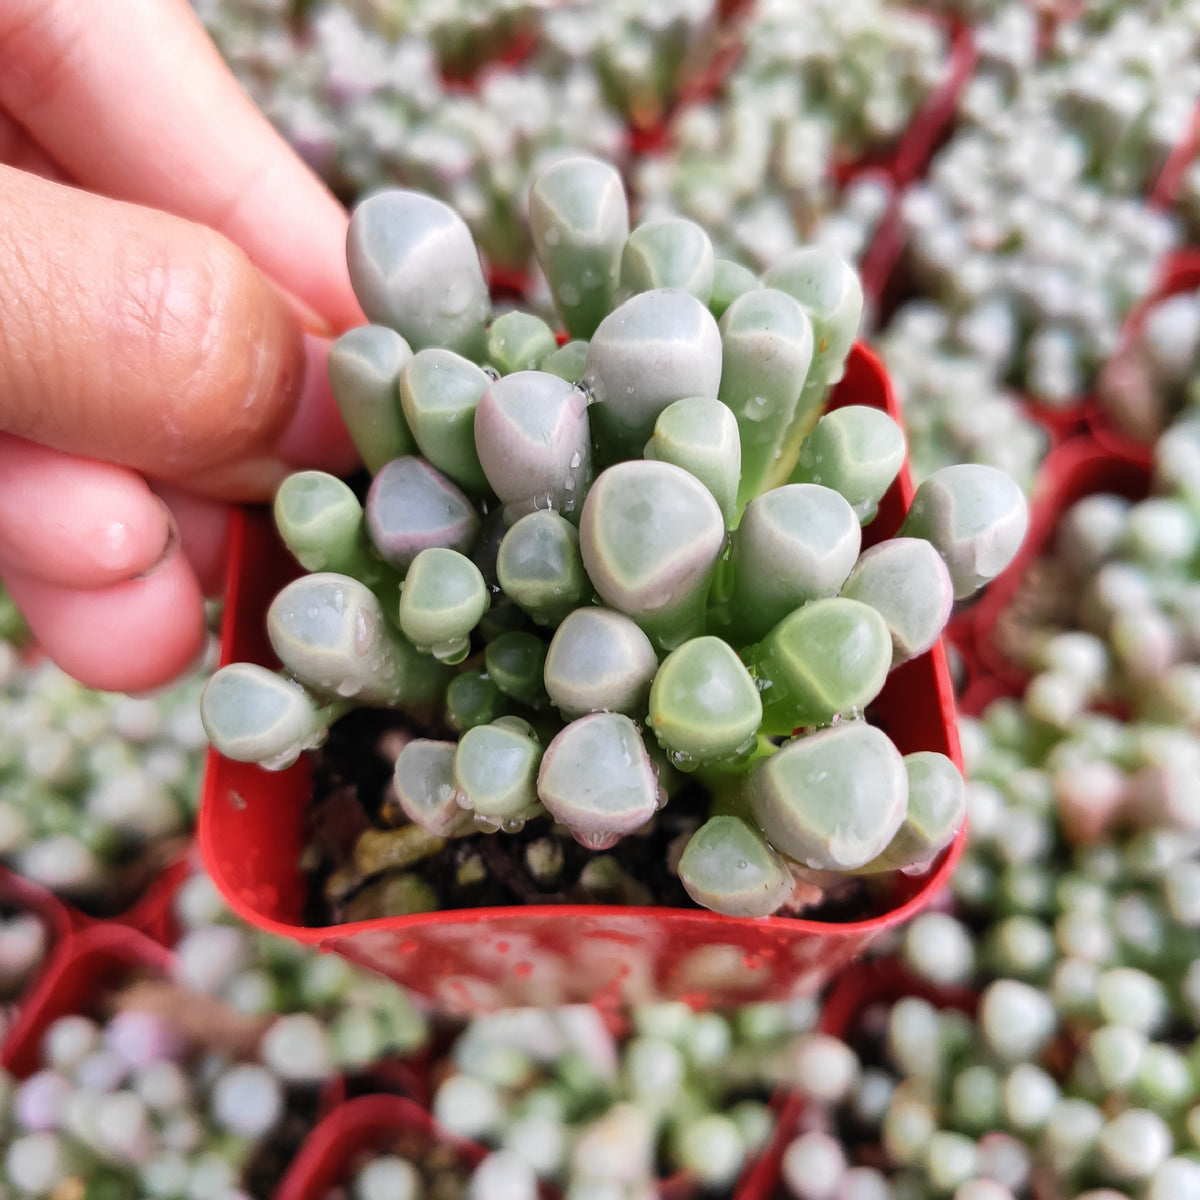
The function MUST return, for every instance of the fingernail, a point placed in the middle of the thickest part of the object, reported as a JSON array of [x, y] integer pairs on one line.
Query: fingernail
[[316, 438], [310, 320], [170, 546]]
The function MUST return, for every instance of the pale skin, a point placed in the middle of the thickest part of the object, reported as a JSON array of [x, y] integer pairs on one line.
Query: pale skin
[[172, 278]]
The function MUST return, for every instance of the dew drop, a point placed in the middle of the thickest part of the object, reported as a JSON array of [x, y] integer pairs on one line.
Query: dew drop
[[568, 294], [553, 236]]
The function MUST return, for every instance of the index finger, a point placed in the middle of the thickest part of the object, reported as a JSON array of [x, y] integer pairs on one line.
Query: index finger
[[133, 100]]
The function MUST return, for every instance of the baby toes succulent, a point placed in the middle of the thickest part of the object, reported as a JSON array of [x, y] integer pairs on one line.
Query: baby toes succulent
[[595, 577]]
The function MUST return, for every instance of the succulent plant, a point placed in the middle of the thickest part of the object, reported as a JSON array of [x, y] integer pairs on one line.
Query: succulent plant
[[1151, 378], [683, 1094], [100, 790], [688, 482], [758, 164], [200, 1084]]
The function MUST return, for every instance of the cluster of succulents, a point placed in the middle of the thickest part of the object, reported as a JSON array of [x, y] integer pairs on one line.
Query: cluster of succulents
[[758, 164], [163, 1098], [362, 91], [1155, 374], [99, 790], [552, 1091], [1112, 617], [1035, 265], [1068, 1069], [1127, 81], [320, 1017], [931, 383], [1032, 229], [198, 1084], [618, 567]]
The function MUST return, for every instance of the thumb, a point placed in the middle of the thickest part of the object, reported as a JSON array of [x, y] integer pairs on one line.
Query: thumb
[[133, 336]]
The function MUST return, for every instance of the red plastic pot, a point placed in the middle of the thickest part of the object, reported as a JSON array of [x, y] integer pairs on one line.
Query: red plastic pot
[[861, 987], [372, 1124], [1078, 468], [88, 966], [1180, 272], [369, 1124], [909, 160], [1165, 190], [252, 834], [19, 894]]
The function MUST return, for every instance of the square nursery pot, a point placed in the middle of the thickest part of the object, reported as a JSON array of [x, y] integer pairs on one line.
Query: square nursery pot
[[354, 1131], [1081, 466], [862, 987], [252, 834], [87, 966], [18, 895]]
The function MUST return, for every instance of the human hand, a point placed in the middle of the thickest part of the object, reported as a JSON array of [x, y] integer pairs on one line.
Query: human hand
[[172, 276]]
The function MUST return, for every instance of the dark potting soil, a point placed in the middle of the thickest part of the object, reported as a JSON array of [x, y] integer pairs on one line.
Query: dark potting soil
[[351, 782]]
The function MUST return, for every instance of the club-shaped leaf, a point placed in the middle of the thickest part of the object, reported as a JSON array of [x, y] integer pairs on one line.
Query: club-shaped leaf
[[519, 341], [495, 772], [794, 544], [568, 362], [411, 506], [533, 441], [474, 699], [833, 800], [416, 269], [442, 599], [669, 252], [364, 372], [540, 568], [937, 807], [767, 343], [439, 391], [650, 535], [906, 581], [831, 292], [976, 517], [254, 715], [329, 631], [727, 867], [656, 348], [322, 523], [700, 435], [424, 783], [704, 704], [579, 219], [857, 451], [597, 779], [828, 658], [730, 280], [516, 663], [599, 660]]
